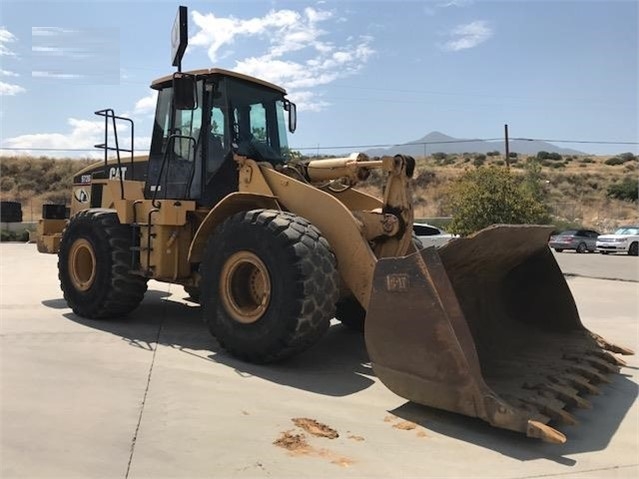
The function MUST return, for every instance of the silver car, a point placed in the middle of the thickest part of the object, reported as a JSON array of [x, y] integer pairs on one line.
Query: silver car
[[581, 241]]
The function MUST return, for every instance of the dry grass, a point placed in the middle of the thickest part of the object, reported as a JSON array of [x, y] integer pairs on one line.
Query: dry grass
[[576, 190]]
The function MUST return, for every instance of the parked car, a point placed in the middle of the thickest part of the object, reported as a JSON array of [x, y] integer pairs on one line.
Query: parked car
[[581, 241], [624, 240], [431, 235]]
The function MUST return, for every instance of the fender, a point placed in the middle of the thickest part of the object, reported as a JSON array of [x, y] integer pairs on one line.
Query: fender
[[231, 204]]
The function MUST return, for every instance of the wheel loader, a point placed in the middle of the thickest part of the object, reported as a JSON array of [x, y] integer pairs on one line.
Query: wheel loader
[[274, 248]]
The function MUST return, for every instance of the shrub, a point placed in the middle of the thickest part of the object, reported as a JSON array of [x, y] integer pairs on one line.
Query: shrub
[[493, 153], [424, 178], [587, 160], [479, 160], [500, 162], [14, 235], [512, 154], [439, 155], [614, 161], [627, 189], [544, 155], [552, 164], [490, 195]]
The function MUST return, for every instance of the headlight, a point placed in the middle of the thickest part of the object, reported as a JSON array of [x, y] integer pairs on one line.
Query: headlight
[[620, 240]]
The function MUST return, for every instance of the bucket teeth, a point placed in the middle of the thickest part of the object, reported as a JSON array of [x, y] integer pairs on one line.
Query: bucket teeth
[[605, 355], [546, 433], [612, 347], [579, 382], [602, 365], [551, 408], [589, 372], [567, 395], [599, 364]]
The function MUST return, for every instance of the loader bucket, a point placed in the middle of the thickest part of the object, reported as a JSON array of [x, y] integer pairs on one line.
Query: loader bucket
[[486, 326]]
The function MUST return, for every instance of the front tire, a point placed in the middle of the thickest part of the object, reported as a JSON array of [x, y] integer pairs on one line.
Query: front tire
[[582, 248], [269, 285], [94, 266], [634, 249], [559, 250]]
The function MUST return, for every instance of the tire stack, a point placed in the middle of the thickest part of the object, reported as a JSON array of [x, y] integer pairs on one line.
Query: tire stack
[[10, 212]]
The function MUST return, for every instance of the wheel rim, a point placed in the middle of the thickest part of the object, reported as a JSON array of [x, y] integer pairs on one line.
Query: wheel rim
[[245, 287], [82, 264]]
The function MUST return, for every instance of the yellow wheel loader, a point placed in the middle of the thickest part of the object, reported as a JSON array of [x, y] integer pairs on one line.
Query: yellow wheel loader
[[274, 248]]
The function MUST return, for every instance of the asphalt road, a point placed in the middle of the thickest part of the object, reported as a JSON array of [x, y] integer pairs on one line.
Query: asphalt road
[[595, 265], [154, 396]]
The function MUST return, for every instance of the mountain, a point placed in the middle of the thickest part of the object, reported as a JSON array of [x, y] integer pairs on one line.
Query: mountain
[[438, 142]]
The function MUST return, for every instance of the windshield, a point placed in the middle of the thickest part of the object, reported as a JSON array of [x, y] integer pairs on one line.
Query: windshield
[[259, 129], [625, 231]]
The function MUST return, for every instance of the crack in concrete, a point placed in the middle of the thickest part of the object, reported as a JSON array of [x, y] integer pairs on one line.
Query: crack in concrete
[[572, 473], [146, 391]]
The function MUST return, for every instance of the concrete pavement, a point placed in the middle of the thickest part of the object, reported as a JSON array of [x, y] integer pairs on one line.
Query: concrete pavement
[[154, 396]]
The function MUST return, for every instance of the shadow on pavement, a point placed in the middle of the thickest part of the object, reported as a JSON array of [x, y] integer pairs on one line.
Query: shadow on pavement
[[593, 433], [336, 366]]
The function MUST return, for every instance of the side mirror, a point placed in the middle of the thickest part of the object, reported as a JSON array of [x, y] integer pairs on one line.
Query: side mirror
[[184, 92], [291, 108]]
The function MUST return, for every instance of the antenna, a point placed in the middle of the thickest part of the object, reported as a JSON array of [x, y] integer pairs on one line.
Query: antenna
[[179, 37]]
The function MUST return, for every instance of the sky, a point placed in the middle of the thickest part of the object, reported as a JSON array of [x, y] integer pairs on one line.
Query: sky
[[362, 73]]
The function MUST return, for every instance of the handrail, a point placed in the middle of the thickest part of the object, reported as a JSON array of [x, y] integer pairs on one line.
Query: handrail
[[109, 113]]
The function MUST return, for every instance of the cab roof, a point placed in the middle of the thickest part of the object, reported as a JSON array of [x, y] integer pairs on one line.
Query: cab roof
[[165, 80]]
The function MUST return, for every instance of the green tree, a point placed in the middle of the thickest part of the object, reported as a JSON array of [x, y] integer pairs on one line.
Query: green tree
[[627, 189], [491, 195]]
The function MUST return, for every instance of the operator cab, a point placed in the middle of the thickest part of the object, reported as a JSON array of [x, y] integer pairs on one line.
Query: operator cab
[[202, 117]]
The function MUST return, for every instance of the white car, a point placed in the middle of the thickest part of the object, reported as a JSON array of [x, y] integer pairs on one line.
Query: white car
[[430, 235], [624, 240]]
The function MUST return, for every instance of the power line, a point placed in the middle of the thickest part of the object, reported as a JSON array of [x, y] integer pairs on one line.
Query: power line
[[380, 145], [594, 142], [48, 149]]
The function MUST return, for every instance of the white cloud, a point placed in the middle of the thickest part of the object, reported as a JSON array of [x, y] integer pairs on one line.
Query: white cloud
[[296, 53], [308, 101], [56, 75], [6, 37], [7, 73], [8, 89], [84, 134], [468, 36], [50, 31], [146, 104], [455, 3]]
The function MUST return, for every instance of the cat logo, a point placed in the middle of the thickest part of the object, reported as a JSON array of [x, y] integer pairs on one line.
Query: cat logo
[[115, 173], [81, 195]]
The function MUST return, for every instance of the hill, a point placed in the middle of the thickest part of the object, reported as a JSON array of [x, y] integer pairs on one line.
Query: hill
[[435, 142], [578, 188]]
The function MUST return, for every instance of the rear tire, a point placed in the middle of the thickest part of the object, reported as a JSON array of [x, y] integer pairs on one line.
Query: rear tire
[[634, 249], [269, 285], [582, 248], [559, 250], [94, 266]]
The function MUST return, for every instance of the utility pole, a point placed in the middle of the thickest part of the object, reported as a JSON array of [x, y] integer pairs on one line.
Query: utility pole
[[507, 146]]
